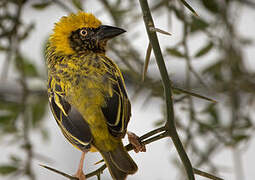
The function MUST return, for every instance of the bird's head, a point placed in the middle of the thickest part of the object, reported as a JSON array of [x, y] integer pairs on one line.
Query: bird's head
[[80, 33]]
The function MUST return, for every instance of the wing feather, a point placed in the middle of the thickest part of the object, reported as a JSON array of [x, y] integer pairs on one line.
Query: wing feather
[[70, 121], [117, 109]]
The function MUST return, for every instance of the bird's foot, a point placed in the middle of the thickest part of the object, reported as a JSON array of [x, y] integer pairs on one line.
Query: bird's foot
[[79, 174], [134, 140]]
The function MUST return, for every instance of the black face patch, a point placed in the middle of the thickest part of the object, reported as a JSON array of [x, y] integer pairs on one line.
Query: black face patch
[[84, 39]]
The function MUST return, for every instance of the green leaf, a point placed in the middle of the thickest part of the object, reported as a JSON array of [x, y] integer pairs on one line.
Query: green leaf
[[179, 14], [30, 70], [41, 6], [198, 24], [175, 52], [77, 4], [159, 123], [214, 114], [15, 159], [24, 65], [2, 48], [214, 68], [7, 169], [211, 5], [204, 50], [4, 119], [7, 123], [189, 7], [241, 137], [39, 110], [45, 134]]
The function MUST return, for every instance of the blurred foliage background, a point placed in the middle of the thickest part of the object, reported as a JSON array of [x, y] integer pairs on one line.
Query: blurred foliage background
[[218, 69]]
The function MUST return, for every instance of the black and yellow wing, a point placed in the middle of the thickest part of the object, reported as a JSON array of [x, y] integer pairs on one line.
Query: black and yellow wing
[[117, 109], [70, 121]]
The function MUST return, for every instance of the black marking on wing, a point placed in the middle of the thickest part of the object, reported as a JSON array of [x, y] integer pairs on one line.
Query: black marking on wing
[[73, 124], [58, 87], [49, 82], [117, 109], [123, 90], [111, 109]]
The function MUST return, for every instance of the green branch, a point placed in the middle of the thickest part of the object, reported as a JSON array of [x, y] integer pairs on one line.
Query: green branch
[[167, 88]]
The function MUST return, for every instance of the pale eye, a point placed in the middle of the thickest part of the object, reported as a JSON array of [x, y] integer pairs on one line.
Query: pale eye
[[83, 32]]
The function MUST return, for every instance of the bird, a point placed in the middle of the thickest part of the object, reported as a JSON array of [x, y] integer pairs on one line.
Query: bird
[[87, 92]]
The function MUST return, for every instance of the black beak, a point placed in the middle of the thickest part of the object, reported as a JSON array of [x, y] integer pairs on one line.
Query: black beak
[[108, 32]]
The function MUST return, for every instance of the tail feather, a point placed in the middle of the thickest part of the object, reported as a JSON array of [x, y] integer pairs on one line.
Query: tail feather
[[116, 173], [122, 160], [119, 163]]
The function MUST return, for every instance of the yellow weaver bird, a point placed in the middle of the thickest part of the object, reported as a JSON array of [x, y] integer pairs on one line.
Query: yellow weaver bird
[[87, 93]]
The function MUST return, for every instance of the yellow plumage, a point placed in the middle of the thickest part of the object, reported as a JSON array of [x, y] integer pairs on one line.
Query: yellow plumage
[[66, 25], [86, 90]]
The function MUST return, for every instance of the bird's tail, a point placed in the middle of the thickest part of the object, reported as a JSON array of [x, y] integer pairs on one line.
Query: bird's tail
[[119, 163]]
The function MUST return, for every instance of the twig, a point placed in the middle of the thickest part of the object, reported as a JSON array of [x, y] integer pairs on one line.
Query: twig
[[167, 88], [59, 172], [128, 147]]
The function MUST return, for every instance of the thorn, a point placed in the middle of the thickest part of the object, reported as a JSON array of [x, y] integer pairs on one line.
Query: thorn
[[194, 94], [147, 60], [58, 172], [153, 29], [98, 162]]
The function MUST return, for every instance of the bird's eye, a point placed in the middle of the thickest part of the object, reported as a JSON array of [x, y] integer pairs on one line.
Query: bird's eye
[[83, 32]]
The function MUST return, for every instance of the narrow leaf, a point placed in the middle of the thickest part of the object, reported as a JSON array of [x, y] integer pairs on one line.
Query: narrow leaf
[[211, 5], [77, 4], [175, 52], [204, 50], [240, 138], [7, 169], [41, 6], [24, 65], [38, 109], [198, 24]]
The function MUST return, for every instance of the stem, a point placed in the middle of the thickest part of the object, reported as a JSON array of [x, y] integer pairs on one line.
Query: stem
[[167, 88]]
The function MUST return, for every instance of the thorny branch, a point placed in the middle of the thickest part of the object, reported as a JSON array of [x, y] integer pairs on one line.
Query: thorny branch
[[167, 88], [145, 139]]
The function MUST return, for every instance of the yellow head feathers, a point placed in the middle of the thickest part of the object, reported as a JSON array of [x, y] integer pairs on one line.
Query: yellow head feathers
[[67, 24]]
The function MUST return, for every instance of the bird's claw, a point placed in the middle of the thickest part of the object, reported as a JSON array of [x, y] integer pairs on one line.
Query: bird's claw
[[134, 140]]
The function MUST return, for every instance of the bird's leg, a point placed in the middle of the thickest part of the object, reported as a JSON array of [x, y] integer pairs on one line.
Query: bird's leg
[[79, 174], [134, 140]]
